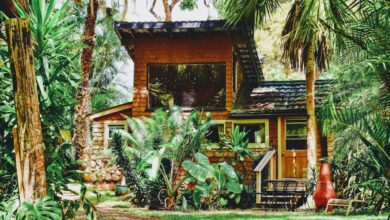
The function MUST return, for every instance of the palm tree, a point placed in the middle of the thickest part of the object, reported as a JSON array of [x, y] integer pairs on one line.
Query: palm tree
[[83, 99], [304, 44]]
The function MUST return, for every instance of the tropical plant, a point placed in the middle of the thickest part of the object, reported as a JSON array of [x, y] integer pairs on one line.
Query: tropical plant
[[9, 207], [107, 59], [215, 183], [361, 159], [357, 113], [161, 143], [305, 44], [133, 179], [56, 51], [56, 54], [41, 209], [238, 142]]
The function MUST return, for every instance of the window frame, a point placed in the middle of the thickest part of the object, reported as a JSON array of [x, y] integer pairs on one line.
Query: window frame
[[234, 74], [149, 108], [215, 145], [285, 132], [264, 121], [106, 130]]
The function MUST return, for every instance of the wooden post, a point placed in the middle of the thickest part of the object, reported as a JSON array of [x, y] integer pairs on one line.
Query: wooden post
[[28, 134], [258, 187], [272, 169]]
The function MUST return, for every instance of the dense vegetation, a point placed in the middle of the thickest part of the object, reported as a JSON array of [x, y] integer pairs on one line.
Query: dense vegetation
[[57, 51], [160, 145], [351, 44]]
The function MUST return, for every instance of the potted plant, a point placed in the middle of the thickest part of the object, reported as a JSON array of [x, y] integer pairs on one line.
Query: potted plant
[[121, 189]]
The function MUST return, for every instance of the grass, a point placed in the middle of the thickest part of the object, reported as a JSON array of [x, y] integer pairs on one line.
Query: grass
[[242, 215], [121, 204]]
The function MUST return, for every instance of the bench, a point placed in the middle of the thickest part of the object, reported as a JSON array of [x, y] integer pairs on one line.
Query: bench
[[343, 203], [281, 193]]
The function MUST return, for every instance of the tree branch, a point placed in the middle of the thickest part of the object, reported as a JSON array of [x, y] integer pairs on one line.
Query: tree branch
[[172, 5], [153, 12]]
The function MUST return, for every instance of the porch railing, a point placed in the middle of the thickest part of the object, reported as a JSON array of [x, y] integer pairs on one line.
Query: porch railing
[[259, 169]]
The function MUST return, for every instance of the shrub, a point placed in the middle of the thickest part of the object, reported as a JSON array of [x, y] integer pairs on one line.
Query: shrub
[[133, 180], [216, 183]]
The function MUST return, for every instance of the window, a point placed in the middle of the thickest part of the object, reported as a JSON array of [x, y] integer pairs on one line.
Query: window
[[296, 132], [110, 127], [187, 85], [215, 133], [257, 131]]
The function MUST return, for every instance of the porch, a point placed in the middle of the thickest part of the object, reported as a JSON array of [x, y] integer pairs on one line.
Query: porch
[[277, 193]]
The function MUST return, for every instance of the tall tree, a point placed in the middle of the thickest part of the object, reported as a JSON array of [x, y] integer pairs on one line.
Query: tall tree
[[8, 7], [83, 99], [304, 45], [169, 5], [28, 141]]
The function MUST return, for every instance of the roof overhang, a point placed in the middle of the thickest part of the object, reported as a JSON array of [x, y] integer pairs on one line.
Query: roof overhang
[[128, 32], [115, 109]]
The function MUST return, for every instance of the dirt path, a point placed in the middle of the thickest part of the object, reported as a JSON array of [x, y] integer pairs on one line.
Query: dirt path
[[105, 213]]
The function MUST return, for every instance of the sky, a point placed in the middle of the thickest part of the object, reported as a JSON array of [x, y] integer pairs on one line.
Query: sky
[[140, 12]]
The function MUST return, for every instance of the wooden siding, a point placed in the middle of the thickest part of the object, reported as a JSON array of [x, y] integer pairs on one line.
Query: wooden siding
[[116, 116], [199, 49]]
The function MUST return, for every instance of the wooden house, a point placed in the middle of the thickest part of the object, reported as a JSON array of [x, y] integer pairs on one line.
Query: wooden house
[[210, 66]]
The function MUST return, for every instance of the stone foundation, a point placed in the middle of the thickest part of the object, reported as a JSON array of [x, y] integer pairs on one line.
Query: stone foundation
[[98, 166]]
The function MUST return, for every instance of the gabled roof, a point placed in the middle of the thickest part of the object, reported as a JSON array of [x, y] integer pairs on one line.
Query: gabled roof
[[129, 31], [278, 98], [112, 110]]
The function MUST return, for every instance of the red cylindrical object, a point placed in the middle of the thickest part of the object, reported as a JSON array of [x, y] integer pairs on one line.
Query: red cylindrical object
[[325, 190]]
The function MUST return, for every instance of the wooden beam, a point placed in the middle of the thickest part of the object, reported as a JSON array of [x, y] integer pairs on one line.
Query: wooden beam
[[112, 110], [28, 140], [279, 147], [258, 187]]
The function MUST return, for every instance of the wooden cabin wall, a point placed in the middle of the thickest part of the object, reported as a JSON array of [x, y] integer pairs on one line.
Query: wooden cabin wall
[[198, 49]]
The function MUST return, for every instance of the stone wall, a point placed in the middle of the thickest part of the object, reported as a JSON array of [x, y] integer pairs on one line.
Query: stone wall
[[97, 165]]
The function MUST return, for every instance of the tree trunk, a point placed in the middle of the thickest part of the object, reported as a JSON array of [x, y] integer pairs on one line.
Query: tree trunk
[[310, 106], [83, 99], [8, 7], [28, 134], [167, 10], [125, 9]]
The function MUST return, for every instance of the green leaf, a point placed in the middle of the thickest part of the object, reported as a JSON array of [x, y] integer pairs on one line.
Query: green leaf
[[201, 173], [234, 186], [196, 197], [223, 201], [185, 204], [41, 209], [201, 159], [228, 170], [238, 198]]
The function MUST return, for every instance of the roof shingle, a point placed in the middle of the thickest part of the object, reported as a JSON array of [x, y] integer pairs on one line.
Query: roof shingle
[[278, 97]]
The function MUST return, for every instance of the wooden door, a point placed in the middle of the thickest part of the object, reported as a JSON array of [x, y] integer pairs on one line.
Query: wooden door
[[294, 148]]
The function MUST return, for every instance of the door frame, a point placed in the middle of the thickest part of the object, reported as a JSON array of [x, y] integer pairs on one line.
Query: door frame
[[282, 131]]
